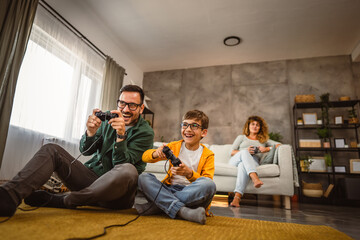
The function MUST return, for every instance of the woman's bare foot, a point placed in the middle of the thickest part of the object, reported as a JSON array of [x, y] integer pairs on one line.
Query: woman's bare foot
[[258, 183], [236, 201]]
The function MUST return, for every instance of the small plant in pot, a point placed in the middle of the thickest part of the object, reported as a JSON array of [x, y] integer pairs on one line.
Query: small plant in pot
[[328, 162], [352, 116], [276, 136], [324, 133], [305, 162]]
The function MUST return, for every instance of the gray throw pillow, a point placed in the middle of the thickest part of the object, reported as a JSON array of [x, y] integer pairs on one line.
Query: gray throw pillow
[[269, 157]]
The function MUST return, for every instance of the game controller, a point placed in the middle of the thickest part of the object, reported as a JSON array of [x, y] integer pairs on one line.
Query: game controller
[[106, 115], [169, 155], [256, 150]]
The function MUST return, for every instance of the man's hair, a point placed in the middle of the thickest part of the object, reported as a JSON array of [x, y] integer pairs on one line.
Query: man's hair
[[133, 88], [263, 134], [198, 116]]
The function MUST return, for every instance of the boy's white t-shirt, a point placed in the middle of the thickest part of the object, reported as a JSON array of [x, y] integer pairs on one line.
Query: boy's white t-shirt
[[190, 159]]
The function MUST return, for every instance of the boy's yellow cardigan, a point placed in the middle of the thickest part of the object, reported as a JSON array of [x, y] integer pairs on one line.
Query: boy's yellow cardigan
[[205, 168]]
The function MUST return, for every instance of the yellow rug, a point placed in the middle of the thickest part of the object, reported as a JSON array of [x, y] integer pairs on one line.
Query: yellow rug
[[51, 223]]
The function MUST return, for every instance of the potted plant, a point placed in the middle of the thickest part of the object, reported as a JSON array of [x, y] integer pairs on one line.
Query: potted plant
[[353, 116], [328, 162], [325, 108], [305, 162], [324, 134], [276, 136]]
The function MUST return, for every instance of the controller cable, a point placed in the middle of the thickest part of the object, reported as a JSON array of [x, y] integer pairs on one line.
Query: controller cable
[[132, 220], [53, 187], [106, 227]]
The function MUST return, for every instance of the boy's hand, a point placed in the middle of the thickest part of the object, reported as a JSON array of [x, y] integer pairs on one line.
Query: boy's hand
[[93, 123], [182, 170], [159, 152]]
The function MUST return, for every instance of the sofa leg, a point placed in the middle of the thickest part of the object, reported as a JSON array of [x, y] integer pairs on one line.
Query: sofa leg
[[287, 202]]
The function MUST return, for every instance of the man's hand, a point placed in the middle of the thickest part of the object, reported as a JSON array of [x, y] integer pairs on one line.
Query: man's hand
[[118, 123], [93, 123], [182, 170], [159, 152]]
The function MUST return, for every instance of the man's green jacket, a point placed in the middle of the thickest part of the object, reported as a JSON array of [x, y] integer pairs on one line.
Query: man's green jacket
[[107, 152]]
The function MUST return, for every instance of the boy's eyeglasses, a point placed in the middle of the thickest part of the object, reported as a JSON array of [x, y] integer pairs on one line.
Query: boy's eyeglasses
[[132, 106], [193, 126]]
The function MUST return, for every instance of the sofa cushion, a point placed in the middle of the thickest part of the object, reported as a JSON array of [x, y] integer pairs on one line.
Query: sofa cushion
[[268, 170], [222, 152], [225, 169], [157, 167]]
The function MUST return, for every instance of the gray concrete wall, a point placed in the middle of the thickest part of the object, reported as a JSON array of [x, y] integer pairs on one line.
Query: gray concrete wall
[[229, 94]]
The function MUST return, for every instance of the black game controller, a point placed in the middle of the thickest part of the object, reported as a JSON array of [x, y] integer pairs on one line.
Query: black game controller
[[256, 150], [169, 155], [106, 115]]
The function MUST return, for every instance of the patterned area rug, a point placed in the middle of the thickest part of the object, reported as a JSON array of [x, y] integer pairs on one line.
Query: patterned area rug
[[51, 223]]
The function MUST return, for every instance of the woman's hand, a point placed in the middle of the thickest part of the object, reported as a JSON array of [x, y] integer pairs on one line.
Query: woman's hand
[[251, 150], [263, 149]]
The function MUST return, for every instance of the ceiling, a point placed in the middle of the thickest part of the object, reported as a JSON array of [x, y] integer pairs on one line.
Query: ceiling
[[177, 34]]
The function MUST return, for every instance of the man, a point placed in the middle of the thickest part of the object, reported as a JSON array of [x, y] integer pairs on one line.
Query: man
[[109, 179]]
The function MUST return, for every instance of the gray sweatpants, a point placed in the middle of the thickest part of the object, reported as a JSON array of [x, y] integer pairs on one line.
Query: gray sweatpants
[[115, 189]]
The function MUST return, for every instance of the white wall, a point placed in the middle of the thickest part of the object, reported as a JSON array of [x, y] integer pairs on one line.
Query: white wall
[[93, 29]]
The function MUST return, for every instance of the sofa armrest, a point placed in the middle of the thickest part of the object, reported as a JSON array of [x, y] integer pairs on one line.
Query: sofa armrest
[[285, 163]]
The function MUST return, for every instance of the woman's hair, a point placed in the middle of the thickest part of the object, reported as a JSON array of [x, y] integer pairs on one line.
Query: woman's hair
[[263, 134]]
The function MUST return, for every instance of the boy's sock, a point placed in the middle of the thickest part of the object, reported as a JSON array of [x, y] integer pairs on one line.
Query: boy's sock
[[193, 215], [148, 208], [42, 198], [7, 204]]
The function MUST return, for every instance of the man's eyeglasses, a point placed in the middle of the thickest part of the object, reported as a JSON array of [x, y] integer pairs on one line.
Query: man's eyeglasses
[[132, 106], [193, 126]]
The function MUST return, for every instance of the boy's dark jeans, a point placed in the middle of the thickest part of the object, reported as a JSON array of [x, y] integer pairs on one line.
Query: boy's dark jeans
[[115, 189]]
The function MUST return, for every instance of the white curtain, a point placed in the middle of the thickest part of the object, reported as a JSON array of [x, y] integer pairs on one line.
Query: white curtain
[[59, 84]]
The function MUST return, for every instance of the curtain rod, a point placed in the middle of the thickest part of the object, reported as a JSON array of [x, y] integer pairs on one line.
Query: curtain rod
[[69, 26]]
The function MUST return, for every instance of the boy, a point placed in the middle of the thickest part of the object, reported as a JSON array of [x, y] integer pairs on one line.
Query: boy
[[188, 189]]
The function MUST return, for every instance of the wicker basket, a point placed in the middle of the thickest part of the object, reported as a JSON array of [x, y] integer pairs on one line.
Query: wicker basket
[[304, 98]]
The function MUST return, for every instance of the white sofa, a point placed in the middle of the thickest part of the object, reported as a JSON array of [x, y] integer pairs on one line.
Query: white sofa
[[277, 178]]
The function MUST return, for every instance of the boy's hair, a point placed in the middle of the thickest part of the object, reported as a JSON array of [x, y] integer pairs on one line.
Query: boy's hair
[[198, 116], [263, 134], [133, 88]]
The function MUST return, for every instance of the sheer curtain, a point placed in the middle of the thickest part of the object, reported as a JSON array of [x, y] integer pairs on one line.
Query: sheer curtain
[[59, 84]]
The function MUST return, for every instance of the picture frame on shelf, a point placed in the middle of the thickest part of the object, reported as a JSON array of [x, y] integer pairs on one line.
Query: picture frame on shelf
[[354, 165], [339, 142], [317, 164], [338, 120], [309, 118], [340, 169]]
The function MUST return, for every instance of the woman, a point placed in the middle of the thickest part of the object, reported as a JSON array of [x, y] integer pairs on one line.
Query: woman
[[247, 151]]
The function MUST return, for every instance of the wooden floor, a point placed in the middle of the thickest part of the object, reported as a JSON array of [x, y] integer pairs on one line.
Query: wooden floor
[[344, 219]]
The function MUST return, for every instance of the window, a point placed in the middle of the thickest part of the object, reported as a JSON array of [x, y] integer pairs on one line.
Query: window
[[59, 82]]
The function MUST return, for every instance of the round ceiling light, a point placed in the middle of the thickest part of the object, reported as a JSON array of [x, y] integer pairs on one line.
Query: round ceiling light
[[232, 41]]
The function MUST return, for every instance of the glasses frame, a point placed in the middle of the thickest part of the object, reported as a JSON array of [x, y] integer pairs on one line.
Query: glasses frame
[[191, 126], [128, 104]]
